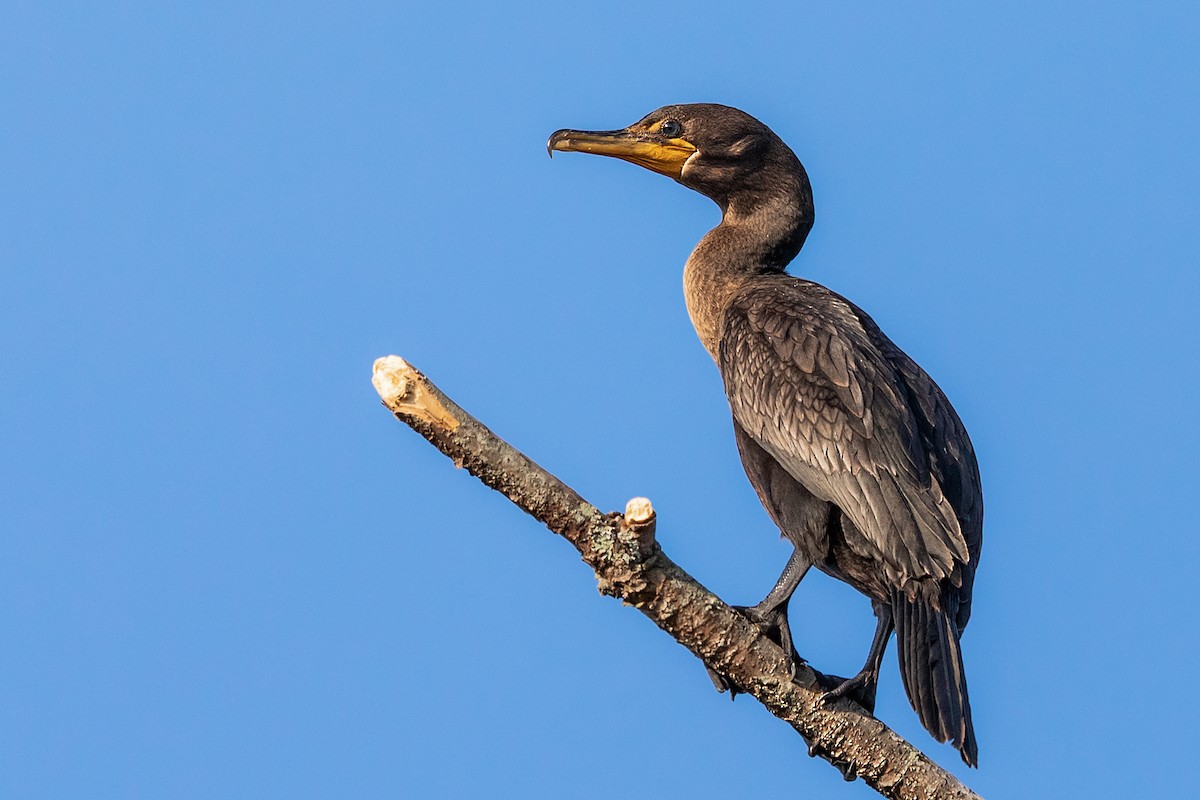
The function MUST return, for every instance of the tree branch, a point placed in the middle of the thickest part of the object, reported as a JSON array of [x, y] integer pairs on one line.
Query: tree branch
[[630, 565]]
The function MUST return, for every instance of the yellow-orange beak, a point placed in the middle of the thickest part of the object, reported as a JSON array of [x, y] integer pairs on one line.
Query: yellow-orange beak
[[664, 156]]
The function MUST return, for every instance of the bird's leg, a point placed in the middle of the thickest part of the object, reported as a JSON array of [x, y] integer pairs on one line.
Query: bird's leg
[[771, 612], [771, 615], [861, 688]]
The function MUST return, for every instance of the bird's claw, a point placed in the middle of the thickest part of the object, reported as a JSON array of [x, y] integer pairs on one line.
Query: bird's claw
[[722, 683], [774, 625], [860, 689]]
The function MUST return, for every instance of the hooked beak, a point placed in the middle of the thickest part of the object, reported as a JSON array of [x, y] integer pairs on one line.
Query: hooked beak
[[664, 156]]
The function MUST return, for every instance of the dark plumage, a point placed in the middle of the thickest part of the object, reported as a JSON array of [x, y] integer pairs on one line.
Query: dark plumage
[[853, 450]]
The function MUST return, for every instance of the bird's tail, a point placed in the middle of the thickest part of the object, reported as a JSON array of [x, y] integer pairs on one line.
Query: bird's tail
[[932, 668]]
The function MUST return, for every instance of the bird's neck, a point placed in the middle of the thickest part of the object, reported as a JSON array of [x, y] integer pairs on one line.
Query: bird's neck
[[754, 239]]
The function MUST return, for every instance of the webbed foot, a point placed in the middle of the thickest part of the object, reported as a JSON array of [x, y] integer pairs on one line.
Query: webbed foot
[[773, 623], [861, 688]]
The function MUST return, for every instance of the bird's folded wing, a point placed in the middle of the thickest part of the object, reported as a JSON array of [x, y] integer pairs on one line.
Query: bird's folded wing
[[806, 381]]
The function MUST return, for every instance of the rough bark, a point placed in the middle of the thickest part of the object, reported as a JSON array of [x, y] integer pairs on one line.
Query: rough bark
[[631, 566]]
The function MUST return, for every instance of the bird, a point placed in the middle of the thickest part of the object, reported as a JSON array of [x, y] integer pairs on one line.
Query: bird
[[853, 450]]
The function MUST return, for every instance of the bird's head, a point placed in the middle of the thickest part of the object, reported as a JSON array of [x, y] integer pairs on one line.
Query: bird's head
[[721, 152]]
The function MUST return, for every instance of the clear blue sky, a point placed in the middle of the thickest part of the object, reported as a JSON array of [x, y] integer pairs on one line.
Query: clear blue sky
[[225, 571]]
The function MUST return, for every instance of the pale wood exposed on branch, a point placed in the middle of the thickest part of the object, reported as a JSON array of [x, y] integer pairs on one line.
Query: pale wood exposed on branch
[[631, 566]]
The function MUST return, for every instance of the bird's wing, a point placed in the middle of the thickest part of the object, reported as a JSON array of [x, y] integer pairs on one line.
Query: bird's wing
[[952, 457], [806, 380]]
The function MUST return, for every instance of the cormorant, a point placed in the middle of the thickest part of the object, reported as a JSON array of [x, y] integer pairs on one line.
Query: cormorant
[[854, 451]]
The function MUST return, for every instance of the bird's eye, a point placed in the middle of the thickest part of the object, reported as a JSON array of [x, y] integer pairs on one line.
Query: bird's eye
[[671, 129]]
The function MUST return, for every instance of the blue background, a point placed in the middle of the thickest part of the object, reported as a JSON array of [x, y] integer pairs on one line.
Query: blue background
[[226, 571]]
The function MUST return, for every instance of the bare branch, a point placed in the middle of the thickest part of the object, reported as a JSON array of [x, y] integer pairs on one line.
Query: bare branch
[[631, 566]]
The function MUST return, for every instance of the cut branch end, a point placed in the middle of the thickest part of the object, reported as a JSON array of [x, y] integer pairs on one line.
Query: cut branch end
[[640, 520], [639, 511], [404, 390]]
